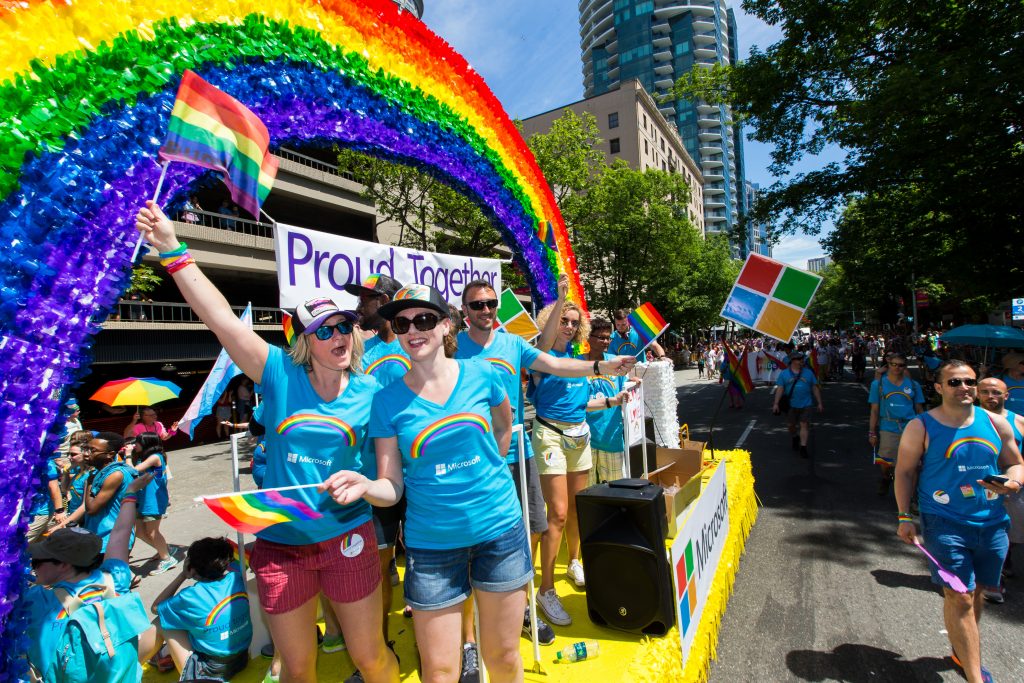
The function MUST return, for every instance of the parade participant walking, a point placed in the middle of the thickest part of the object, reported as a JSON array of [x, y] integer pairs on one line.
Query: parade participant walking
[[625, 340], [148, 456], [800, 388], [895, 399], [1013, 376], [956, 446], [311, 394], [441, 432], [992, 395]]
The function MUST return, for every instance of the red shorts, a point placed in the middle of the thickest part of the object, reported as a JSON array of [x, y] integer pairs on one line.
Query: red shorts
[[345, 568]]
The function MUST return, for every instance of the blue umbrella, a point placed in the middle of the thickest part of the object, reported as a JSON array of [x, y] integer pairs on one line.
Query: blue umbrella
[[999, 336]]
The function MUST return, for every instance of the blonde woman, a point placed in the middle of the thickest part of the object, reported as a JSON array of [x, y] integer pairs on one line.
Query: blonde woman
[[317, 409], [561, 441]]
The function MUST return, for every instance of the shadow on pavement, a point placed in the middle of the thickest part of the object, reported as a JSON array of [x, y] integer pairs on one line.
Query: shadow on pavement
[[855, 663], [891, 579]]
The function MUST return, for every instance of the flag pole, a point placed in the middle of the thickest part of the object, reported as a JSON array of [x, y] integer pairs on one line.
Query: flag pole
[[159, 186], [200, 499]]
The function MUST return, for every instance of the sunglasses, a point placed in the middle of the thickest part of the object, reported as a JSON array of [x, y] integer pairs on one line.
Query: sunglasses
[[569, 323], [956, 382], [325, 332], [39, 562], [482, 304], [424, 322], [601, 338]]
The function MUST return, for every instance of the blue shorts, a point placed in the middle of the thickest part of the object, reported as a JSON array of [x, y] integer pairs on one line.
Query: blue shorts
[[970, 552], [436, 579]]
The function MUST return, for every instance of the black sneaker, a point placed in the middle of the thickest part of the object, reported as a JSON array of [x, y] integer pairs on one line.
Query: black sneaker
[[795, 442], [804, 453], [545, 634], [470, 664]]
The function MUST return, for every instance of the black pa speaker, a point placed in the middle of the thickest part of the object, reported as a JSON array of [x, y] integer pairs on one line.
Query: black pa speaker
[[622, 540]]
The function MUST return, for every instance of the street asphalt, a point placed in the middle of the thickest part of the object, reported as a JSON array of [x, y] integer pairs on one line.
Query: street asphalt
[[825, 590]]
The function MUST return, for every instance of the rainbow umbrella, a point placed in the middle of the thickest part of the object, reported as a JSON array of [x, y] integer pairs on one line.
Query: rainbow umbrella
[[136, 391]]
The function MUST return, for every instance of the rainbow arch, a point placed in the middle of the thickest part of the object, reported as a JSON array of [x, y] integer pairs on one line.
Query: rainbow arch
[[86, 89]]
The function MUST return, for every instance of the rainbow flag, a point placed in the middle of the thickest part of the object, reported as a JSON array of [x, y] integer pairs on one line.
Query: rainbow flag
[[288, 327], [779, 362], [736, 371], [211, 129], [812, 361], [648, 323], [254, 511], [546, 234]]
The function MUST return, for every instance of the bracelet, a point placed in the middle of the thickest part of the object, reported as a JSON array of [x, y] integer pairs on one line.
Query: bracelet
[[172, 269], [58, 511], [607, 403], [904, 517], [597, 368], [177, 251], [130, 497], [872, 434], [171, 261]]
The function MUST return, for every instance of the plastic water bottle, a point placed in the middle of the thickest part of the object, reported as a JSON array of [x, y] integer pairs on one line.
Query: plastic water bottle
[[577, 652]]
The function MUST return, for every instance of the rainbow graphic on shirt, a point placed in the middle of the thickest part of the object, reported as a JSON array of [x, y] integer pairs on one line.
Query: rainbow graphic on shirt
[[445, 425], [968, 440], [603, 384], [502, 365], [900, 394], [219, 608], [303, 420], [390, 359], [87, 597]]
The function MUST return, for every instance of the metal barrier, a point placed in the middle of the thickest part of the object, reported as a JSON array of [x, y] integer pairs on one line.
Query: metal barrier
[[323, 166], [130, 310], [225, 222]]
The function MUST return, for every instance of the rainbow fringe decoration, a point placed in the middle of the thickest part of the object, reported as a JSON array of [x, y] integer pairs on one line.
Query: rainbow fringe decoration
[[659, 659], [214, 130], [254, 511]]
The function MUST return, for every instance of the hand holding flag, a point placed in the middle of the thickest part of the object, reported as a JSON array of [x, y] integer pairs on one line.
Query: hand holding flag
[[649, 325]]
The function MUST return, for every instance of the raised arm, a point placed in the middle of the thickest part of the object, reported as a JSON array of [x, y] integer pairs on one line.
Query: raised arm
[[245, 347], [574, 367], [548, 334]]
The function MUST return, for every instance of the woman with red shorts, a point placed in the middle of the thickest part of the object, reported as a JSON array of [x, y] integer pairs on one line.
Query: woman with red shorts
[[317, 411]]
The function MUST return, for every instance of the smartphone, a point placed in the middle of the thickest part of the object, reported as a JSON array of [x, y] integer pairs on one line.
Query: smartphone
[[996, 479]]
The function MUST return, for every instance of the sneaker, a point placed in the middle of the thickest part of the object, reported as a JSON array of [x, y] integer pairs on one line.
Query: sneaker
[[270, 677], [267, 651], [332, 644], [393, 570], [803, 452], [470, 664], [165, 566], [575, 572], [553, 609], [545, 634], [986, 675], [995, 596], [162, 661]]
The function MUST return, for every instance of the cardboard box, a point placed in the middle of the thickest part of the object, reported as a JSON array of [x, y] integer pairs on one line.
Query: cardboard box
[[678, 473]]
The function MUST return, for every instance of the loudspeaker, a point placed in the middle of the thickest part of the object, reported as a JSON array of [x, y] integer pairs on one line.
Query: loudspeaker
[[622, 540]]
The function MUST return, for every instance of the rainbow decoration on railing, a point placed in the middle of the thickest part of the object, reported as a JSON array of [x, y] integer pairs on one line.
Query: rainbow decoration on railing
[[86, 90]]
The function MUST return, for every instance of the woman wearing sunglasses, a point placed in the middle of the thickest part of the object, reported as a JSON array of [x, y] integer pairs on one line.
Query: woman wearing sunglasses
[[317, 409], [441, 434]]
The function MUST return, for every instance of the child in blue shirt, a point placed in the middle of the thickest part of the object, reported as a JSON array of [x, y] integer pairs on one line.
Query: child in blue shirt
[[149, 456], [206, 625]]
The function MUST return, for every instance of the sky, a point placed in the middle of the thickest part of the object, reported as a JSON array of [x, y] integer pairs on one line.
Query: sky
[[528, 52]]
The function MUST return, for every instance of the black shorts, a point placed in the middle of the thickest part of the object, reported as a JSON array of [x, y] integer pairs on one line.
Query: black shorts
[[387, 522]]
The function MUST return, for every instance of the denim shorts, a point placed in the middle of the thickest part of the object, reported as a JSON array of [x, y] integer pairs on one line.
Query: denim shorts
[[436, 579], [970, 552]]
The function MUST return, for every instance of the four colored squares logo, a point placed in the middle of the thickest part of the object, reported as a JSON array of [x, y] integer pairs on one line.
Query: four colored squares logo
[[770, 297], [686, 587]]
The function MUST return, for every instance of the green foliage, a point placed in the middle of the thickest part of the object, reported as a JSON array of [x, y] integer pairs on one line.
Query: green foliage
[[697, 299], [144, 280]]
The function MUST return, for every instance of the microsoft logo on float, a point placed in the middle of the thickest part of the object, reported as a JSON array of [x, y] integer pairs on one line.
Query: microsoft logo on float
[[686, 587]]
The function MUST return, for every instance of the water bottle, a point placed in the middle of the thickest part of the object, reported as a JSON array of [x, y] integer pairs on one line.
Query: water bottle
[[577, 652]]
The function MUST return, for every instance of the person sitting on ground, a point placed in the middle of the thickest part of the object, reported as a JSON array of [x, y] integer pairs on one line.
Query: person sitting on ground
[[148, 456], [206, 625], [149, 424]]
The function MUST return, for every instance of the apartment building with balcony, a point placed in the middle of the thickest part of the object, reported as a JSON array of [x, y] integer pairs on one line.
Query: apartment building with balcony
[[656, 42], [756, 231], [633, 129]]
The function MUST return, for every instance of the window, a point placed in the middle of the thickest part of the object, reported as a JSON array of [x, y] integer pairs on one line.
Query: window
[[645, 120], [646, 150], [613, 145], [663, 144], [613, 120]]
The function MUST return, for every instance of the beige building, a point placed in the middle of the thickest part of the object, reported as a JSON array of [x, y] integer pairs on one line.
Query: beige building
[[632, 129]]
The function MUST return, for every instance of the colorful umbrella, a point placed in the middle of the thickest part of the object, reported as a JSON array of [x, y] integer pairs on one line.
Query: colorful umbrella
[[136, 391]]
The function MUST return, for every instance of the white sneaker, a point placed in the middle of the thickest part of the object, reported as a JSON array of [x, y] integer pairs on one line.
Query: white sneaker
[[553, 609], [575, 572]]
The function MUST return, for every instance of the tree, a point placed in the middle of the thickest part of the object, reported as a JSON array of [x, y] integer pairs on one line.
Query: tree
[[927, 100], [696, 301], [143, 281]]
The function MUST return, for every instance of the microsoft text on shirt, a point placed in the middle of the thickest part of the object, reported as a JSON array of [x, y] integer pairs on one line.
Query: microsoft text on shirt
[[441, 468]]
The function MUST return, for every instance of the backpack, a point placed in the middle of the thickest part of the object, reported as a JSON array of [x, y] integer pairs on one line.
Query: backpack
[[100, 643]]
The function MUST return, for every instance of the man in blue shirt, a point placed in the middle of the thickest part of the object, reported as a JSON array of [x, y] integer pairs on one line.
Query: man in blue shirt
[[1013, 377], [626, 342], [895, 399], [800, 386]]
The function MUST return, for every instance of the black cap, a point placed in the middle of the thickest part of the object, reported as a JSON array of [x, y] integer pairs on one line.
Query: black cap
[[378, 283], [311, 315], [76, 546], [414, 296]]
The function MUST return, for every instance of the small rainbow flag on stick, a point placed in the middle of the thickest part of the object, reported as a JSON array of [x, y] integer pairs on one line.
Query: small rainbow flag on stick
[[737, 371], [211, 129], [254, 511], [648, 324]]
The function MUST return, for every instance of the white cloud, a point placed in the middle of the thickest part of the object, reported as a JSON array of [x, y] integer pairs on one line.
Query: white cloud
[[795, 250]]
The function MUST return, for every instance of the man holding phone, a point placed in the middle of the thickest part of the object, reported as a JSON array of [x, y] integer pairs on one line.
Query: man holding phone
[[960, 449]]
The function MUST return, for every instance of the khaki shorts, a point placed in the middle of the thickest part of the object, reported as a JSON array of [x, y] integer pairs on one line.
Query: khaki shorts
[[552, 455], [888, 446], [608, 466]]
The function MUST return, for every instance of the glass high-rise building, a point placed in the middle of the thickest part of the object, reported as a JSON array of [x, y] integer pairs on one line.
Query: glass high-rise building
[[657, 41], [414, 6]]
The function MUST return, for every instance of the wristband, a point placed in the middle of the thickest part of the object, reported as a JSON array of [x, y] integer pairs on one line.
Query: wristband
[[177, 251], [174, 268], [130, 497], [597, 368], [904, 517], [872, 434], [59, 511], [172, 261], [607, 403]]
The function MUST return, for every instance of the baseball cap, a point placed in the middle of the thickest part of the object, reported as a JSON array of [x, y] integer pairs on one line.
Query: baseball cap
[[310, 315], [414, 296], [378, 283], [72, 405], [75, 546]]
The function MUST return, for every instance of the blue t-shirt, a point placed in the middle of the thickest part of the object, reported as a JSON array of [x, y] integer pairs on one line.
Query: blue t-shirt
[[1011, 417], [898, 402], [509, 354], [102, 523], [628, 345], [951, 467], [47, 619], [561, 398], [458, 488], [369, 345], [259, 451], [42, 503], [802, 396], [932, 362], [215, 614], [308, 439], [386, 362], [153, 499], [1015, 401], [606, 424], [76, 491]]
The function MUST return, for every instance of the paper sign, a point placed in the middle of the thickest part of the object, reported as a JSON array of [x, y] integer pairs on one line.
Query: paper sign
[[633, 413]]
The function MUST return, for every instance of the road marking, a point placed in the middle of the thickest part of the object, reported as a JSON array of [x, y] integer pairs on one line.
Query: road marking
[[746, 432], [865, 388]]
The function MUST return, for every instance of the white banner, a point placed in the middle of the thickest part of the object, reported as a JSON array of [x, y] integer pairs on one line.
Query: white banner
[[311, 263], [696, 552], [633, 414]]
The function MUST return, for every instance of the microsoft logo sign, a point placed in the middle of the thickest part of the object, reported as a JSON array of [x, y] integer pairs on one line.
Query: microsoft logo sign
[[686, 586]]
